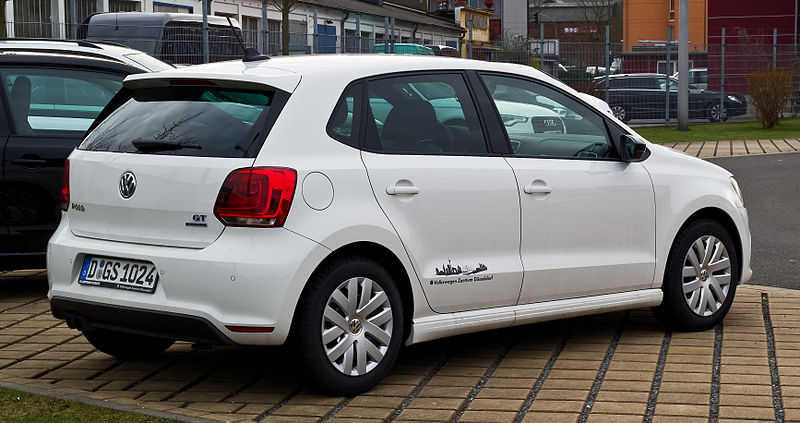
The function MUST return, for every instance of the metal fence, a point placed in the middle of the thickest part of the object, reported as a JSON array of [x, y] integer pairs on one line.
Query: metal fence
[[637, 84]]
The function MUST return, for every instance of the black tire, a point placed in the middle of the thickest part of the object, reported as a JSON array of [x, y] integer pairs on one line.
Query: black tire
[[307, 329], [713, 113], [675, 310], [621, 112], [127, 346]]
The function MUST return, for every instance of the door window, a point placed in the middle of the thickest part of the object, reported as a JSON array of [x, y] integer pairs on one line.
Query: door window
[[57, 102], [673, 84], [343, 124], [543, 122], [423, 114]]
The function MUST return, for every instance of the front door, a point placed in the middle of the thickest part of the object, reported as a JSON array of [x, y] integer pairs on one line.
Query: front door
[[588, 219], [454, 206]]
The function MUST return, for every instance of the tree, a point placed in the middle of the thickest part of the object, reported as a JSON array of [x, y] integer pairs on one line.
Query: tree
[[597, 14], [285, 7]]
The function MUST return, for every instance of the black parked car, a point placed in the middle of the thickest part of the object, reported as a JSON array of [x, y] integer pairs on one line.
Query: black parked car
[[642, 96], [51, 93]]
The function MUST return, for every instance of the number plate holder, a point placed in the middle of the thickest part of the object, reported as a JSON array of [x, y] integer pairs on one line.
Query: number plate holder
[[129, 275]]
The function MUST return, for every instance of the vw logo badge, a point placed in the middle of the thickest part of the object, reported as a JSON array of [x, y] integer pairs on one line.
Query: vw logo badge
[[127, 184]]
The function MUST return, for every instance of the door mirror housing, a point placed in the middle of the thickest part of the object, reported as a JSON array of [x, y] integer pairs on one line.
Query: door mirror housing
[[631, 149]]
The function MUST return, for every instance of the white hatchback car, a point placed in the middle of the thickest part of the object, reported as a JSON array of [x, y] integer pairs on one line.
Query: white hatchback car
[[260, 202]]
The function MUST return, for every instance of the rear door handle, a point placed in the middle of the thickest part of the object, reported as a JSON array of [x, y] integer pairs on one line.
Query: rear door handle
[[29, 162], [537, 189], [402, 189]]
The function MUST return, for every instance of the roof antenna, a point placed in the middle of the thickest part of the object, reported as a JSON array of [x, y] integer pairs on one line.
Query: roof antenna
[[250, 53]]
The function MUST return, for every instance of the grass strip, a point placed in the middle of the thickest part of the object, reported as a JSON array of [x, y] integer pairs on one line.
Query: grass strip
[[787, 128]]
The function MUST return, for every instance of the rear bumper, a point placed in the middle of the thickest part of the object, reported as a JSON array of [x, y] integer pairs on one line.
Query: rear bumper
[[88, 315], [246, 277]]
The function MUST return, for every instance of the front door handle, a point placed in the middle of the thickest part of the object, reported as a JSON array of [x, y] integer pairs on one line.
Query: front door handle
[[537, 187], [30, 163], [402, 189]]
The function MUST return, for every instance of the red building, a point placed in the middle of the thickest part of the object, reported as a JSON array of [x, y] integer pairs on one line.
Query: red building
[[749, 28]]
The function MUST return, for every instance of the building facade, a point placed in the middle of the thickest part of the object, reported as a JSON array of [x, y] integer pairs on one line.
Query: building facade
[[324, 26]]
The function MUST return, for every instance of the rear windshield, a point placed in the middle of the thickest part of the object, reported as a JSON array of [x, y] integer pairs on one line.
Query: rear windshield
[[184, 121]]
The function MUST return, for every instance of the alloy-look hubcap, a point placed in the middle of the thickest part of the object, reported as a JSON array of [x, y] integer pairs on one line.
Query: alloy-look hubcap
[[357, 326], [706, 275]]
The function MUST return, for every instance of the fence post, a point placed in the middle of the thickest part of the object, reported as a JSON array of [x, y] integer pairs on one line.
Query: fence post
[[315, 35], [541, 47], [469, 42], [73, 19], [358, 33], [608, 59], [774, 48], [666, 80], [385, 35], [264, 28], [392, 36], [205, 31], [722, 77]]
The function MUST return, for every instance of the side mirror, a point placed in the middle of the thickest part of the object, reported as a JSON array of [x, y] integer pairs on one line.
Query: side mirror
[[631, 149]]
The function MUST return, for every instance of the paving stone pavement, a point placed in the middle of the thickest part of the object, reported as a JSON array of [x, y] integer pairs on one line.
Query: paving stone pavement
[[615, 367], [708, 149]]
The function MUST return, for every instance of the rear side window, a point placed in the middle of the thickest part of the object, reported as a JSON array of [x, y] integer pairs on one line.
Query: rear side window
[[61, 102], [185, 121]]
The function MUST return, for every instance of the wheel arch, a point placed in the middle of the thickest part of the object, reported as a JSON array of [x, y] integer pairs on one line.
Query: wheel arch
[[724, 219], [383, 256]]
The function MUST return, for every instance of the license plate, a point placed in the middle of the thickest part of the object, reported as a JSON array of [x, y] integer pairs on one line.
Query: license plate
[[115, 273]]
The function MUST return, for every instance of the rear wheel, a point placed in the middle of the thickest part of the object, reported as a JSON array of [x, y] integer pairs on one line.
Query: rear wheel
[[714, 114], [127, 346], [349, 326], [700, 278], [620, 112]]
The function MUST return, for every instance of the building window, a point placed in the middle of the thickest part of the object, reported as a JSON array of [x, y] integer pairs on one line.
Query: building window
[[172, 8], [124, 6], [250, 32], [33, 19], [671, 10]]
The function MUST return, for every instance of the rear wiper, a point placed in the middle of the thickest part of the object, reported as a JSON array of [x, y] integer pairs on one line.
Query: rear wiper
[[153, 145]]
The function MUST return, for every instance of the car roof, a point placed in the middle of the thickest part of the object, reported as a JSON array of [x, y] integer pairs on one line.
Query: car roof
[[285, 72], [49, 59], [85, 48], [157, 18]]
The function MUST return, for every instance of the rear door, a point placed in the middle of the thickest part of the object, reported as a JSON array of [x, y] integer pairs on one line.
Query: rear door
[[453, 204], [5, 242], [50, 109]]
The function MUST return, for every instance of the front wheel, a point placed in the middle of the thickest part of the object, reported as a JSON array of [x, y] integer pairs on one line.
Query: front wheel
[[349, 326], [700, 278], [714, 114], [127, 346]]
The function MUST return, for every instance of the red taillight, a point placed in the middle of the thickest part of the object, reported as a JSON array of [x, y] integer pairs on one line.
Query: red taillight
[[65, 188], [256, 197]]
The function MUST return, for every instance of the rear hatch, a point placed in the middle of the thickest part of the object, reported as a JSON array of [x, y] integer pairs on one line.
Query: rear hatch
[[151, 168]]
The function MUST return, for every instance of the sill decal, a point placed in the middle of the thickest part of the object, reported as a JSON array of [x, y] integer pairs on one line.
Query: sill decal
[[468, 271]]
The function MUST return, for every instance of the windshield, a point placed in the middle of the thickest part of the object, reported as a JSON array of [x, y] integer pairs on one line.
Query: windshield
[[187, 121]]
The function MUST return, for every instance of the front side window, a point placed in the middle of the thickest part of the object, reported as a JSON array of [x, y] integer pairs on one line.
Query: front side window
[[57, 102], [186, 121], [662, 84], [543, 122], [423, 114]]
